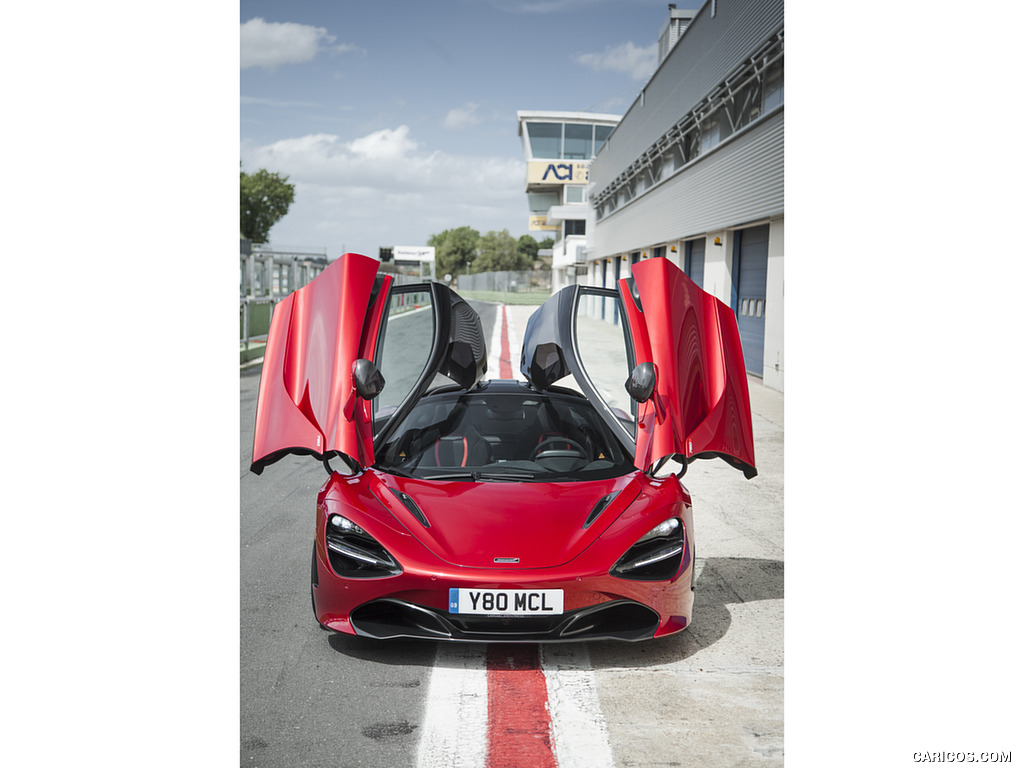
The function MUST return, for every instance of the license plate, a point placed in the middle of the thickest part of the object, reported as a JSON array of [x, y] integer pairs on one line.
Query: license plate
[[509, 602]]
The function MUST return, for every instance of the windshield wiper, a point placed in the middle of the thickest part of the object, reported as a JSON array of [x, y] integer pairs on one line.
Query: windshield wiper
[[451, 476], [478, 476], [511, 476]]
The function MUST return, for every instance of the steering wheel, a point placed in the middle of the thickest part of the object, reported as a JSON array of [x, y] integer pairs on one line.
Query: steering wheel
[[573, 449]]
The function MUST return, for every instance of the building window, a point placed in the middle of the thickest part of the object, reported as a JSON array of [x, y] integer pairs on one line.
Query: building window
[[709, 133], [746, 104], [545, 140], [601, 134], [579, 141], [540, 202], [773, 86], [575, 193], [575, 227]]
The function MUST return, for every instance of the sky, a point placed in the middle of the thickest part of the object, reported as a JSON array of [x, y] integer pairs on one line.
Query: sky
[[397, 120]]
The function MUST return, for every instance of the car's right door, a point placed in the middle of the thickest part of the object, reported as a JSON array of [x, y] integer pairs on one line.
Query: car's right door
[[700, 407]]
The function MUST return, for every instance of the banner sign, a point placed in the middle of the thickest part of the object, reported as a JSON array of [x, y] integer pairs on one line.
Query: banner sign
[[541, 223], [558, 172], [413, 253]]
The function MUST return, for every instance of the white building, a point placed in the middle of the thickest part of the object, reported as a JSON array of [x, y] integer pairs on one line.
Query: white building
[[693, 171], [558, 148]]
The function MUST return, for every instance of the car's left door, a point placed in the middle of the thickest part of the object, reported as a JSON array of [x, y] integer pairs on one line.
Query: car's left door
[[334, 343]]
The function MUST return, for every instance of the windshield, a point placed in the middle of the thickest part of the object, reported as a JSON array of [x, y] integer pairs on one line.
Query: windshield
[[504, 436]]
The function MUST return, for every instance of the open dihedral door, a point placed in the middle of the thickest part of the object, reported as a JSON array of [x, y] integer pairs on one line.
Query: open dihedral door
[[700, 407], [326, 331], [591, 339], [307, 401]]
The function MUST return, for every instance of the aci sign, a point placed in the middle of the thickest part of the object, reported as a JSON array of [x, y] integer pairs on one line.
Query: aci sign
[[540, 223], [557, 172]]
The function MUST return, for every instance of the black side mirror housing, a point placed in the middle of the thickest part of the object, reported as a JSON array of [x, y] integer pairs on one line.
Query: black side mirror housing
[[367, 378], [640, 384]]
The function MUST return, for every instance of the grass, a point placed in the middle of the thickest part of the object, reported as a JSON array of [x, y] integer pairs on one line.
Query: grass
[[504, 297]]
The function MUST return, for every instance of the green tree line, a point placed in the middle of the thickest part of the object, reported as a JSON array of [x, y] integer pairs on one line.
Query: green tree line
[[265, 198], [464, 251]]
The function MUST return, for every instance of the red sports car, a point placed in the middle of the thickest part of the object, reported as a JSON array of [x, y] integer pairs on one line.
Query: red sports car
[[458, 508]]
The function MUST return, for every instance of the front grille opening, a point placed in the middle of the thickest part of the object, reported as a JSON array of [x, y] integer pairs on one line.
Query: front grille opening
[[619, 620], [614, 621], [519, 625], [385, 619]]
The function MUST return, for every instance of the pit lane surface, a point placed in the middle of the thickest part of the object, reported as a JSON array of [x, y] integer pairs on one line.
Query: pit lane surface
[[711, 696]]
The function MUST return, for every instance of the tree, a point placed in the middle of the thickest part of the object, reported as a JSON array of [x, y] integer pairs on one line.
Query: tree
[[265, 198], [454, 250], [499, 252], [528, 246]]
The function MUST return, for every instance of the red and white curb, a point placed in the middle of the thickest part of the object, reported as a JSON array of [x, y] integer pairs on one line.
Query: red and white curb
[[504, 349], [513, 706]]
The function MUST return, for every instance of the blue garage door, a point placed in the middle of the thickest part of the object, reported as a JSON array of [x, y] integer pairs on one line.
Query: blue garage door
[[694, 267], [750, 280]]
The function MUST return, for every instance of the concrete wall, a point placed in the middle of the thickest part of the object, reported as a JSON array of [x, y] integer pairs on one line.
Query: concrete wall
[[718, 265], [774, 335]]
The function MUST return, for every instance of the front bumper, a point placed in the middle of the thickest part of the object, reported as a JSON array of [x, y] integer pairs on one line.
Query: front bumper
[[615, 620], [414, 604]]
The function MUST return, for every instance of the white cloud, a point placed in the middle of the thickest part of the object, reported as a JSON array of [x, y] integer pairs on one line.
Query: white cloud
[[269, 44], [385, 145], [347, 48], [385, 188], [638, 63], [463, 117]]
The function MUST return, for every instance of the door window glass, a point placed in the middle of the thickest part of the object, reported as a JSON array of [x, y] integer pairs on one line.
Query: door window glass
[[404, 346], [604, 351]]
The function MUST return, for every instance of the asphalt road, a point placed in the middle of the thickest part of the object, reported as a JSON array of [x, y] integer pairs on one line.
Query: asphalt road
[[308, 697], [710, 696]]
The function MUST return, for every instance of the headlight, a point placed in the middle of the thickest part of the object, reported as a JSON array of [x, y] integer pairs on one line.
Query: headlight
[[656, 556], [355, 554], [664, 529]]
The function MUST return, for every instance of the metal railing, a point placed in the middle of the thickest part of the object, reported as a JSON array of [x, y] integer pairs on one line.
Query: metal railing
[[266, 276], [527, 281]]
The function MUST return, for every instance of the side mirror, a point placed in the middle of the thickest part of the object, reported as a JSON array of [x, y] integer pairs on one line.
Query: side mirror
[[367, 378], [640, 384]]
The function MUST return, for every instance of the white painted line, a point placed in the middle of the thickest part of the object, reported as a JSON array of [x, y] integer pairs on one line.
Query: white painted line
[[578, 727], [455, 724], [515, 348], [494, 348]]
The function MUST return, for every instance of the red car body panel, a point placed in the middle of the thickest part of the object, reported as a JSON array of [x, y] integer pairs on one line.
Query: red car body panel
[[701, 406], [307, 401], [543, 528], [426, 578]]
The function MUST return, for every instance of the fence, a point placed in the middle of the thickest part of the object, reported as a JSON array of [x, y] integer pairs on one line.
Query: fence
[[267, 276], [528, 281]]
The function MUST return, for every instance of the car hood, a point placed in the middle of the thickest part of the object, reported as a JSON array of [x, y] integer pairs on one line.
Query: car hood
[[472, 524]]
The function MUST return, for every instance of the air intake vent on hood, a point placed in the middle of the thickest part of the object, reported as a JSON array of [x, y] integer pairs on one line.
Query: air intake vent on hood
[[411, 505], [600, 507]]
